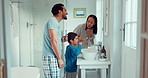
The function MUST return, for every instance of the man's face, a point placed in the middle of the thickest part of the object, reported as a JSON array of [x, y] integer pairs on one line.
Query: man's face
[[64, 13]]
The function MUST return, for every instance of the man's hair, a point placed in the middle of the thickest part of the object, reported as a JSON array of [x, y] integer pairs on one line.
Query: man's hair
[[56, 8], [71, 36]]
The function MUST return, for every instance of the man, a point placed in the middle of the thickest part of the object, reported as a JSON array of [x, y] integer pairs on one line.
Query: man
[[52, 60]]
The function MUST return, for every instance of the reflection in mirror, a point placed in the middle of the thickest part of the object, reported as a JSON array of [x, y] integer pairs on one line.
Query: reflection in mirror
[[28, 18]]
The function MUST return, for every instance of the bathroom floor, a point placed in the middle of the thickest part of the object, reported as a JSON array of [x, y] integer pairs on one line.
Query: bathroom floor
[[62, 73], [89, 74], [93, 74]]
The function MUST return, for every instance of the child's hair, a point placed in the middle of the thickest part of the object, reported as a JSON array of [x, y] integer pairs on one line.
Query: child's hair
[[71, 36]]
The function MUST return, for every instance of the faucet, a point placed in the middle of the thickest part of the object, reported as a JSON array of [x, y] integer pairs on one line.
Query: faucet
[[99, 48]]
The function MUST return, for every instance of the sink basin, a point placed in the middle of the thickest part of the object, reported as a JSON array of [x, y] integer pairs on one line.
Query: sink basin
[[89, 53]]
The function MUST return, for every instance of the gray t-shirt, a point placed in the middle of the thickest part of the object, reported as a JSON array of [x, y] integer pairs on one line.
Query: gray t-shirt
[[80, 30], [47, 48]]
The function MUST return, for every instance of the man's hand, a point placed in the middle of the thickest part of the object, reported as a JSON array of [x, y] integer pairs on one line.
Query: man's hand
[[61, 63]]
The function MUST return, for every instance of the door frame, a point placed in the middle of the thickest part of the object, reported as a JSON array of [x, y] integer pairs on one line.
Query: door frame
[[138, 52], [143, 39], [3, 60], [5, 37]]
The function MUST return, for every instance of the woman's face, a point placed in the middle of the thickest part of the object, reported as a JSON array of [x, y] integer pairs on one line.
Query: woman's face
[[90, 22]]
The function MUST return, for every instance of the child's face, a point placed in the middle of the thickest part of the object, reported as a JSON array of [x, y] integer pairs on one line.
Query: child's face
[[76, 39]]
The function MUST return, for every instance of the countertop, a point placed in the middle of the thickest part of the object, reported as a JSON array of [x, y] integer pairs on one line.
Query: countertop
[[81, 61]]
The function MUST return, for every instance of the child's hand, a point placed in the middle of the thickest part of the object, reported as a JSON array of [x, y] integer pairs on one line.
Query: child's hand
[[80, 39], [80, 43], [64, 38]]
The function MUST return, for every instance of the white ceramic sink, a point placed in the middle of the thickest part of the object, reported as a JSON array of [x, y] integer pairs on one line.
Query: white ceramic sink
[[89, 53]]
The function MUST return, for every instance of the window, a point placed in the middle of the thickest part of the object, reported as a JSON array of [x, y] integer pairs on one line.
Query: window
[[130, 23]]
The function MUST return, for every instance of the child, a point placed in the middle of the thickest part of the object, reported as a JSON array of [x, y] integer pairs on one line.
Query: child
[[72, 51]]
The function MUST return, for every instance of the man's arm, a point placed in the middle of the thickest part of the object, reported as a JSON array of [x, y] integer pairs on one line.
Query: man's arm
[[55, 46]]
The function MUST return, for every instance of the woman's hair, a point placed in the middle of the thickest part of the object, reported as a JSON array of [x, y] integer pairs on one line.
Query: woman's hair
[[71, 36], [56, 8], [95, 26]]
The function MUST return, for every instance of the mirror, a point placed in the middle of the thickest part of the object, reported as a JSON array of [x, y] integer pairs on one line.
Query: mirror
[[28, 18]]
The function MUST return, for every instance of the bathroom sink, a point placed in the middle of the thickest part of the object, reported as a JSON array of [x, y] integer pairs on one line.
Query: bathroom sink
[[89, 53]]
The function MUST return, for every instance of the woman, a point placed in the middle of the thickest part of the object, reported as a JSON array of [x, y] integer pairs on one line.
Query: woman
[[87, 31]]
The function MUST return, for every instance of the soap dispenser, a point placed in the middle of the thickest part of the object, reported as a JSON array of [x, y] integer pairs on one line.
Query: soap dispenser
[[103, 53]]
